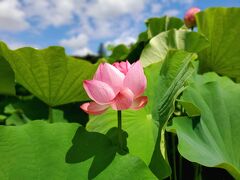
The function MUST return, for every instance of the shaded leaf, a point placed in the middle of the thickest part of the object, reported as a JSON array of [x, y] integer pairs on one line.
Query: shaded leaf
[[139, 125], [33, 108], [73, 113], [7, 79]]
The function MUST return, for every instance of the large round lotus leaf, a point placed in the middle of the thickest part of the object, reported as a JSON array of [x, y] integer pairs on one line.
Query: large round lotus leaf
[[49, 73], [61, 151], [221, 26]]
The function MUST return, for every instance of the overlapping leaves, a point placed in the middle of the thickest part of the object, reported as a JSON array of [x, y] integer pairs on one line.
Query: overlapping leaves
[[143, 126], [213, 139], [157, 25], [159, 46]]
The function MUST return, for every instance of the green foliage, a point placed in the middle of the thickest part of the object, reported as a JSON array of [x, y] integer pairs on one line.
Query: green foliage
[[7, 83], [119, 53], [202, 110], [49, 74], [221, 27], [175, 70], [214, 138], [159, 46], [39, 150], [139, 125], [158, 25], [154, 27]]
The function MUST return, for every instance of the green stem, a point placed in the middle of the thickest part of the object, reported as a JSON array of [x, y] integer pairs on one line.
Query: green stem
[[180, 167], [50, 114], [167, 150], [174, 157], [119, 115], [198, 172]]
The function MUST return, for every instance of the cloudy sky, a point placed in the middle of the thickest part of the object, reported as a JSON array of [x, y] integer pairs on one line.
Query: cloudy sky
[[80, 25]]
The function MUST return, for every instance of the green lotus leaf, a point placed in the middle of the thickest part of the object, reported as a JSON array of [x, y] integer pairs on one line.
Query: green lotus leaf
[[221, 26], [212, 140], [49, 73], [39, 150], [7, 79], [157, 25], [159, 45], [144, 126]]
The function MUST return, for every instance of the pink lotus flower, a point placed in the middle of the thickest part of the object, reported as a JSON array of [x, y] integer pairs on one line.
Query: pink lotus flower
[[119, 86], [189, 18]]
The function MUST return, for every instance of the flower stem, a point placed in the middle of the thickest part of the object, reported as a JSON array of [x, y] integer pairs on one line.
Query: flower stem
[[197, 172], [119, 115], [180, 167], [174, 157]]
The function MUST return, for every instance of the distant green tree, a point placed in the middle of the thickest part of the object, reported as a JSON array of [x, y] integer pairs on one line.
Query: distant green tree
[[101, 50]]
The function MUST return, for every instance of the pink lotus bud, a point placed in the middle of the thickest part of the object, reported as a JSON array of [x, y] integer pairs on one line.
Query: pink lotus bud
[[189, 18], [122, 66], [119, 86]]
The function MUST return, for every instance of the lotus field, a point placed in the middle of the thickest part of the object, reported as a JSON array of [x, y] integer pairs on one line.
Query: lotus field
[[166, 107]]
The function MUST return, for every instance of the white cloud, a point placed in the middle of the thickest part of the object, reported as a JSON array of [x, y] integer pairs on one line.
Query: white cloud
[[75, 42], [171, 12], [156, 8], [83, 52], [184, 2], [78, 45], [12, 18], [49, 12], [108, 9], [118, 21], [127, 40], [15, 44]]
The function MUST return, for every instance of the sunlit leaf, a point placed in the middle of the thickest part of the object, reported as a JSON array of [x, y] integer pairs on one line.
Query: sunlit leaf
[[157, 25], [39, 150], [221, 26], [49, 74], [144, 126], [213, 139], [159, 46]]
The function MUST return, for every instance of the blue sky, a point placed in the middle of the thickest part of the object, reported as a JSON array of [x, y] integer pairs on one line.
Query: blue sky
[[81, 25]]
